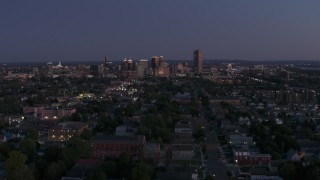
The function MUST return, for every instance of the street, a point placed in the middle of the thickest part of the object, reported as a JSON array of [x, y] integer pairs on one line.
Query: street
[[214, 163]]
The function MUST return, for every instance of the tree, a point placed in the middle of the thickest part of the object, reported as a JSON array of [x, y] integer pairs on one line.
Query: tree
[[313, 172], [86, 134], [81, 148], [275, 155], [109, 124], [96, 175], [203, 147], [52, 153], [15, 166], [194, 111], [32, 134], [29, 148], [110, 169], [288, 171], [140, 172], [41, 165], [124, 165], [53, 171], [4, 149], [200, 134]]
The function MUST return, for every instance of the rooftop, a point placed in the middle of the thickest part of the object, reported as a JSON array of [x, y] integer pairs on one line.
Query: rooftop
[[138, 139]]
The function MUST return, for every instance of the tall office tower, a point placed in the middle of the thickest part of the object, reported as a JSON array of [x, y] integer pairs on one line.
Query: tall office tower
[[144, 63], [142, 67], [162, 67], [229, 69], [127, 65], [101, 69], [107, 63], [35, 71], [159, 67], [197, 60], [155, 64], [50, 68], [128, 69], [161, 61]]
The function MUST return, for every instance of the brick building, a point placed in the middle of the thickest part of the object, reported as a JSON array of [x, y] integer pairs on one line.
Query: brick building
[[246, 158]]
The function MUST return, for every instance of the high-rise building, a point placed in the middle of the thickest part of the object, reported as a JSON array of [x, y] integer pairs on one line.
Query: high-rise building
[[159, 67], [107, 63], [128, 69], [142, 67], [155, 64], [229, 69], [127, 65], [198, 61]]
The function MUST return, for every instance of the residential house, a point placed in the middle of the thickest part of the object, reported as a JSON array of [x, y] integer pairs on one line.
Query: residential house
[[184, 98], [64, 131], [182, 152], [55, 114], [263, 174], [113, 146], [294, 155], [183, 126], [36, 110], [182, 146], [241, 139], [151, 151], [82, 169], [123, 130], [274, 165]]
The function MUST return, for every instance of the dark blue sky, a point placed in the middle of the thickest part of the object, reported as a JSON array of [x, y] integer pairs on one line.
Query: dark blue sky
[[84, 30]]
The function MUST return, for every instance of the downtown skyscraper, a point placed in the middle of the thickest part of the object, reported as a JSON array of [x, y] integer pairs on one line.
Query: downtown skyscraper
[[197, 61]]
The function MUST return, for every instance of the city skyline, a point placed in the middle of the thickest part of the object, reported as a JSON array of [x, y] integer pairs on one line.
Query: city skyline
[[37, 31]]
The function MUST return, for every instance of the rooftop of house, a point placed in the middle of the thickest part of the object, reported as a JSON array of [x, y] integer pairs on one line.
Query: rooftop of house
[[183, 124], [182, 138], [151, 147], [307, 143], [262, 171], [240, 137], [69, 126], [182, 147], [137, 139]]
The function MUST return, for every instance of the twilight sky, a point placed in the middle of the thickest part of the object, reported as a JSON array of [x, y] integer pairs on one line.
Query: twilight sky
[[87, 30]]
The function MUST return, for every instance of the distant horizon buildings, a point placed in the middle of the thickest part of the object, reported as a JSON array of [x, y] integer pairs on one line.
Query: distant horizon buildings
[[155, 64], [142, 67], [198, 61], [128, 69], [159, 67]]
